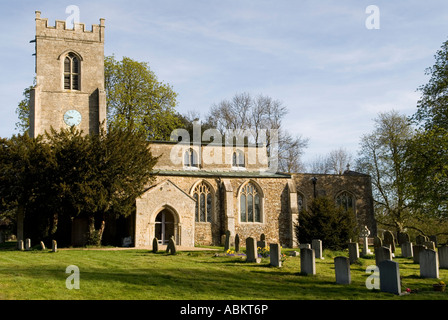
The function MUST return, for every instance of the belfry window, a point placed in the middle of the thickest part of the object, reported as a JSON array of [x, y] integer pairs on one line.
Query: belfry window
[[238, 159], [204, 203], [71, 72], [250, 204]]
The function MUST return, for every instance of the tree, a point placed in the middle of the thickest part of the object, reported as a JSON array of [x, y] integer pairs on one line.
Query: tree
[[23, 111], [262, 116], [135, 97], [326, 221], [335, 162], [383, 157]]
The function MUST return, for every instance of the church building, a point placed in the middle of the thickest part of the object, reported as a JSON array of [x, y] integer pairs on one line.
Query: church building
[[194, 200]]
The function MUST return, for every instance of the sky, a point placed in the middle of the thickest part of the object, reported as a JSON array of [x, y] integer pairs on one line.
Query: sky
[[333, 64]]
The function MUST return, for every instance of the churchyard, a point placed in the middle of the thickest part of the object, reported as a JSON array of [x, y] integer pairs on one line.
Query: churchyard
[[247, 273]]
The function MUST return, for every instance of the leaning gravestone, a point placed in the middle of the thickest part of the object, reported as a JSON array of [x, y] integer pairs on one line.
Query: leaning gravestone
[[421, 239], [406, 250], [342, 270], [20, 245], [227, 241], [171, 248], [307, 261], [275, 255], [28, 244], [430, 245], [155, 245], [443, 257], [353, 252], [54, 246], [316, 245], [377, 242], [403, 237], [434, 239], [381, 254], [251, 251], [237, 243], [390, 277], [262, 243], [429, 264], [42, 245]]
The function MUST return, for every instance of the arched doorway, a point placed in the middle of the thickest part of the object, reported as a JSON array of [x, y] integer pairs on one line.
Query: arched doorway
[[164, 226]]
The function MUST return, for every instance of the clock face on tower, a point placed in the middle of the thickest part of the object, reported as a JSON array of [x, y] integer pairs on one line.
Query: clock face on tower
[[72, 117]]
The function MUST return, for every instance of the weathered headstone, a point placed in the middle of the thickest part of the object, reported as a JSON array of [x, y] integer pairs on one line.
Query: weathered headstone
[[406, 250], [429, 264], [227, 241], [275, 255], [416, 252], [316, 245], [155, 245], [307, 261], [251, 251], [389, 240], [28, 244], [430, 245], [381, 254], [262, 243], [237, 243], [353, 252], [54, 246], [403, 237], [126, 242], [171, 248], [433, 238], [421, 239], [305, 246], [342, 270], [377, 242], [390, 277], [20, 245], [443, 257], [365, 240], [42, 245]]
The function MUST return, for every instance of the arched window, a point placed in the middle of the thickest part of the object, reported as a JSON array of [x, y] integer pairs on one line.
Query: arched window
[[191, 158], [300, 202], [238, 159], [346, 201], [72, 72], [204, 203], [250, 204]]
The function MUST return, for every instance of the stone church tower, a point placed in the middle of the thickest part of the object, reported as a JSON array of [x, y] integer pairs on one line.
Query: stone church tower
[[69, 87]]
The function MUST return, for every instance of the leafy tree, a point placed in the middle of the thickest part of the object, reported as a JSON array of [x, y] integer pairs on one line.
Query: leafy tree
[[23, 111], [135, 97], [325, 220], [383, 157]]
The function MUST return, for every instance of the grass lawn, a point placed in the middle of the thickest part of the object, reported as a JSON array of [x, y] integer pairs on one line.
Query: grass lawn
[[195, 275]]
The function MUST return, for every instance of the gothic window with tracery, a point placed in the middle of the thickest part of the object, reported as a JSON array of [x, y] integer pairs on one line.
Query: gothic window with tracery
[[250, 204], [346, 201], [204, 203]]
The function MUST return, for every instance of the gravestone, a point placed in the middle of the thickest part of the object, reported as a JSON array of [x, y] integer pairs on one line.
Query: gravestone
[[316, 245], [54, 246], [227, 241], [443, 257], [421, 239], [377, 242], [429, 264], [126, 242], [275, 255], [353, 252], [262, 243], [305, 246], [434, 239], [237, 243], [251, 251], [42, 245], [365, 233], [381, 254], [389, 240], [403, 237], [20, 245], [307, 261], [171, 248], [430, 245], [28, 244], [155, 245], [416, 252], [342, 270], [390, 277], [406, 250]]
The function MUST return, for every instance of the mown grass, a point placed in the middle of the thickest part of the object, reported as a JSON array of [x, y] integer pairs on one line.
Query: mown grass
[[196, 275]]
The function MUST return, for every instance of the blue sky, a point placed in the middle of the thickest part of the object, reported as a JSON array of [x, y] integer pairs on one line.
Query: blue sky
[[332, 73]]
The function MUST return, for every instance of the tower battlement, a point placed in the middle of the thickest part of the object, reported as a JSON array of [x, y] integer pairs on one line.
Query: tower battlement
[[60, 30]]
